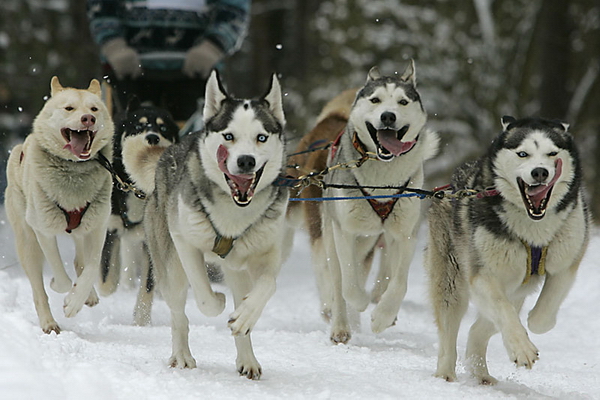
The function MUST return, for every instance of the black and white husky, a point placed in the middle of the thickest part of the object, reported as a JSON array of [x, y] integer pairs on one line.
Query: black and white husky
[[498, 249], [214, 202], [387, 124], [142, 133]]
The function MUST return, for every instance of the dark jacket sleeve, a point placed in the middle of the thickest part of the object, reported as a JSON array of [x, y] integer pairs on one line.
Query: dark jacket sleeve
[[229, 23], [105, 19]]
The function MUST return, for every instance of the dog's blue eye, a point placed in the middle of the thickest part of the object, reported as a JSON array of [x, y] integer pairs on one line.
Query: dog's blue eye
[[138, 127], [403, 102], [163, 128], [262, 138], [552, 153], [522, 154], [228, 136], [375, 100]]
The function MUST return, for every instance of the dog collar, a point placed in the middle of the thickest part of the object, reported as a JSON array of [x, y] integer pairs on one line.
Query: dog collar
[[536, 261]]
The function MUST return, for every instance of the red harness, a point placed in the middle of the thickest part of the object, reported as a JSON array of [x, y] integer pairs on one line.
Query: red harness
[[74, 217]]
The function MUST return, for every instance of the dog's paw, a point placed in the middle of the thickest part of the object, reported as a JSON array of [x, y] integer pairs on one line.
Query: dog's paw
[[447, 376], [212, 306], [382, 318], [539, 322], [242, 319], [61, 285], [72, 304], [522, 351], [341, 336], [92, 299], [182, 360], [251, 369], [50, 326]]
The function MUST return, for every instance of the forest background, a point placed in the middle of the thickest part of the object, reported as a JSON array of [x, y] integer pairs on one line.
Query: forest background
[[476, 60]]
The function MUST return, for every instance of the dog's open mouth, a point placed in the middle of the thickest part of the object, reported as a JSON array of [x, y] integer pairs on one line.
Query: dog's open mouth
[[536, 197], [389, 142], [242, 186], [78, 142]]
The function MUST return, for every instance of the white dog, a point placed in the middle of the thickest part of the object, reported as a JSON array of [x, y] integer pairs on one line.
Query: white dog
[[56, 186]]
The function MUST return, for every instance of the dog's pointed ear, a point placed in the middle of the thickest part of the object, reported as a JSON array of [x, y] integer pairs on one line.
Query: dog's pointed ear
[[275, 100], [410, 73], [133, 103], [55, 86], [506, 121], [214, 96], [565, 126], [373, 74], [95, 87]]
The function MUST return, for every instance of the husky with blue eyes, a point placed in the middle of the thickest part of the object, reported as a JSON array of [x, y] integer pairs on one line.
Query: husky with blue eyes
[[213, 200], [530, 230]]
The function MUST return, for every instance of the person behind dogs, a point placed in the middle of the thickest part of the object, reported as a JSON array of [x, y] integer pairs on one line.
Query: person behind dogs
[[162, 51]]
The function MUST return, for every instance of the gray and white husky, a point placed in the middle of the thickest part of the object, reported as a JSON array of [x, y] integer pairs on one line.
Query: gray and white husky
[[501, 248], [387, 123], [214, 201]]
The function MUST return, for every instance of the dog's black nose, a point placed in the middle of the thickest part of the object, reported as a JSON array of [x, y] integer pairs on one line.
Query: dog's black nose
[[539, 174], [388, 118], [152, 139], [246, 163]]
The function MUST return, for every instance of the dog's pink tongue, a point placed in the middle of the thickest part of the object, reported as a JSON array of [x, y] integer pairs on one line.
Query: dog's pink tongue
[[387, 138], [78, 144], [538, 193], [243, 182]]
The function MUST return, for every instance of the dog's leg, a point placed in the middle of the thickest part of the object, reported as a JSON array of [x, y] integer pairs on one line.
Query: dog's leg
[[174, 290], [542, 317], [492, 302], [60, 282], [211, 303], [340, 327], [448, 290], [323, 277], [131, 257], [88, 249], [92, 299], [383, 275], [354, 293], [479, 336], [246, 309], [32, 260], [143, 305], [110, 267], [400, 252]]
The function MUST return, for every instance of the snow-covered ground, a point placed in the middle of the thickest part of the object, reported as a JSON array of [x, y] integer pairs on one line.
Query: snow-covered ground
[[101, 355]]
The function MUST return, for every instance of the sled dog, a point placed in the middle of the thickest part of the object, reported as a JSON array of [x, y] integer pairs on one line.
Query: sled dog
[[143, 132], [531, 230], [387, 124], [56, 185], [214, 202]]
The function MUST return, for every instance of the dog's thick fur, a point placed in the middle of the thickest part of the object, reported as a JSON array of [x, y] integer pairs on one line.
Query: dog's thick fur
[[387, 111], [56, 185], [142, 133], [214, 202], [486, 248]]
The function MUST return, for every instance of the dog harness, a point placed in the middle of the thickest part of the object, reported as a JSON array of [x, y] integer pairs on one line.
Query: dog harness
[[536, 261], [73, 217]]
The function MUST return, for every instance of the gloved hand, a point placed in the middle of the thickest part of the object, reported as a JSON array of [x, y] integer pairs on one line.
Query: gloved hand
[[123, 59], [200, 59]]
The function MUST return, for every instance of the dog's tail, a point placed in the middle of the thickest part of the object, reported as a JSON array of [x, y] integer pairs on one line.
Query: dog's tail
[[140, 161]]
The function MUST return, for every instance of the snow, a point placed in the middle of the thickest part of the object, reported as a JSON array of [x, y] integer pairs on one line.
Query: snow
[[101, 355]]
